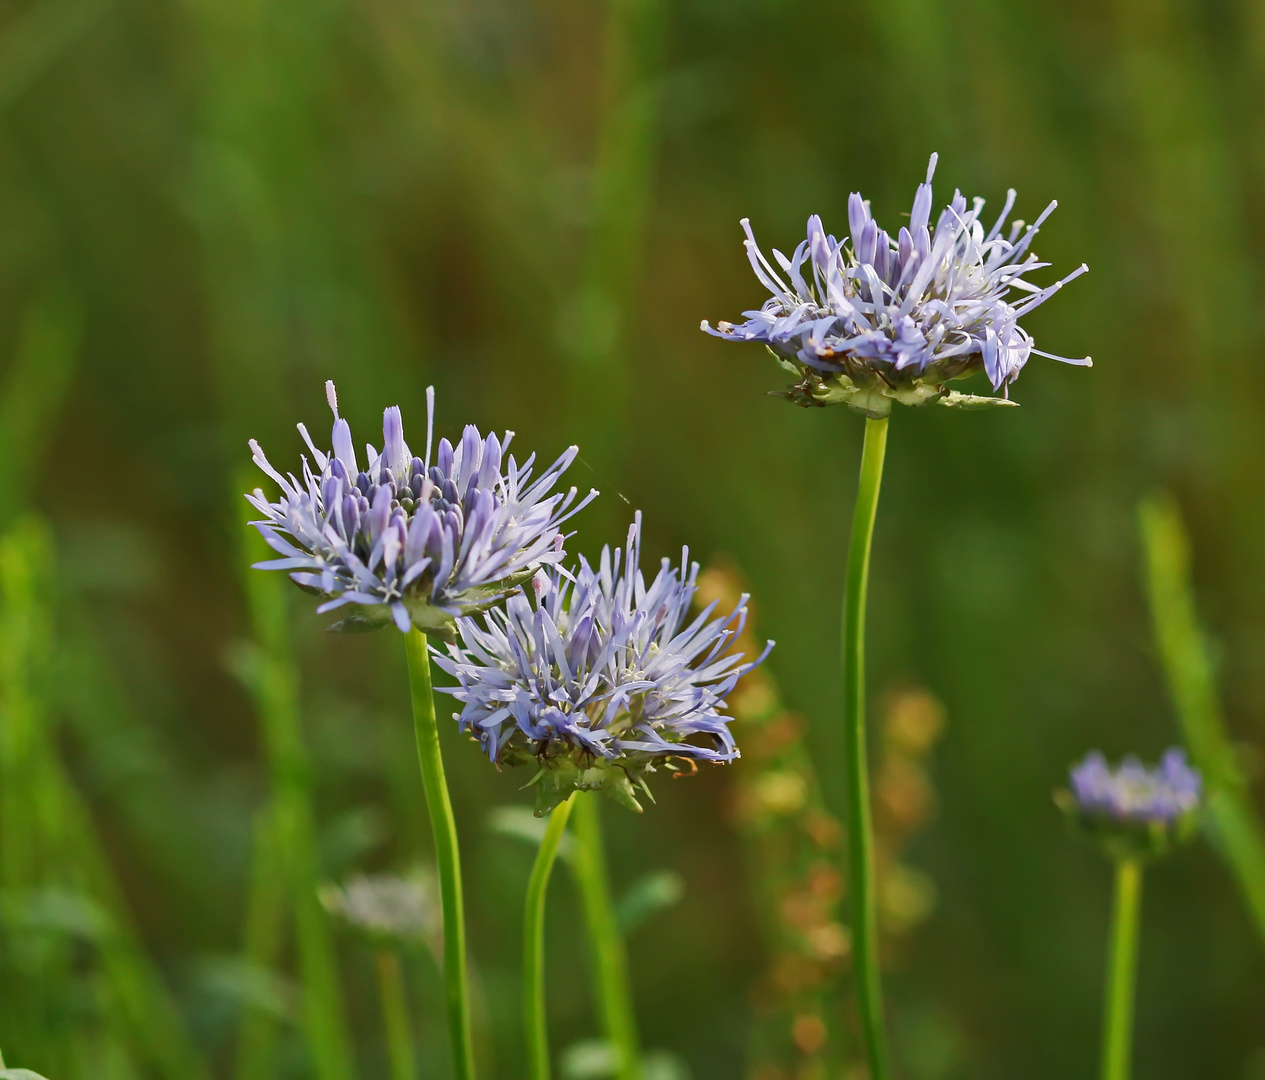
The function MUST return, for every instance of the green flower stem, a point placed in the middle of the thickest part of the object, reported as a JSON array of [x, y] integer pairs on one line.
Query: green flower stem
[[395, 1015], [860, 829], [610, 960], [1122, 964], [535, 1025], [447, 857]]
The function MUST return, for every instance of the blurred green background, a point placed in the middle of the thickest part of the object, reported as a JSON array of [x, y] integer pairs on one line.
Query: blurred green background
[[208, 208]]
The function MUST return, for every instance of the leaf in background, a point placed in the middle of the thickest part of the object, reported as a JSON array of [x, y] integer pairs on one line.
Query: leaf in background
[[519, 823], [592, 1059], [657, 891], [37, 380], [1185, 654], [36, 38]]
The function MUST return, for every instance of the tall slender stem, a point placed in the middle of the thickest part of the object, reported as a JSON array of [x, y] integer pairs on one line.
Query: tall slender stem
[[447, 857], [860, 830], [395, 1015], [1122, 965], [535, 1025], [610, 960]]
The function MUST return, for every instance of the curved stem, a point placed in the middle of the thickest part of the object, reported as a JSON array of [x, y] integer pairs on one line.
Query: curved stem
[[395, 1015], [447, 857], [535, 1025], [610, 959], [1122, 967], [860, 831]]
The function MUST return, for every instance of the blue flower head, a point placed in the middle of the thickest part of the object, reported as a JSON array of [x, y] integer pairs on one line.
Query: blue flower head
[[412, 540], [600, 678], [871, 319], [1131, 809]]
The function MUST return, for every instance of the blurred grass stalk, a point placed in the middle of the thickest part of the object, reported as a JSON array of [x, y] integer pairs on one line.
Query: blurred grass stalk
[[1190, 187], [623, 178], [39, 36], [46, 830], [623, 175], [47, 838], [259, 69], [395, 1013], [1188, 666], [264, 940], [612, 984], [286, 870], [48, 345]]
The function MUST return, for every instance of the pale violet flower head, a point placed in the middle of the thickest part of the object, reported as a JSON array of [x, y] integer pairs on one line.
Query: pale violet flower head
[[1132, 809], [1134, 793], [600, 677], [413, 540], [872, 318]]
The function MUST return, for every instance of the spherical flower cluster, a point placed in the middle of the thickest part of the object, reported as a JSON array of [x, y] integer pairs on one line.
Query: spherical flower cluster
[[1133, 809], [601, 677], [869, 319], [409, 539]]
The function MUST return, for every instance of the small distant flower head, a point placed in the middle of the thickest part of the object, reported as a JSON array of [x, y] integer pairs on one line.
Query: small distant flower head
[[871, 319], [414, 540], [389, 909], [600, 677], [1132, 809]]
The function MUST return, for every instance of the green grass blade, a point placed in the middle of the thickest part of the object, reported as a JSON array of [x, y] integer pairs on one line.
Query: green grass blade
[[265, 929], [1184, 653], [274, 682], [48, 347], [48, 834]]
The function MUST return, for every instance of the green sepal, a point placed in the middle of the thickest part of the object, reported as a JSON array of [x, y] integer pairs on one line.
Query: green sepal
[[871, 395], [1127, 840], [558, 778]]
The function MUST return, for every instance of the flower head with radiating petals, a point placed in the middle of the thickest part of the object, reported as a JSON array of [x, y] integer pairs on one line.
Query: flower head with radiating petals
[[601, 678], [872, 319], [1132, 809], [409, 539]]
